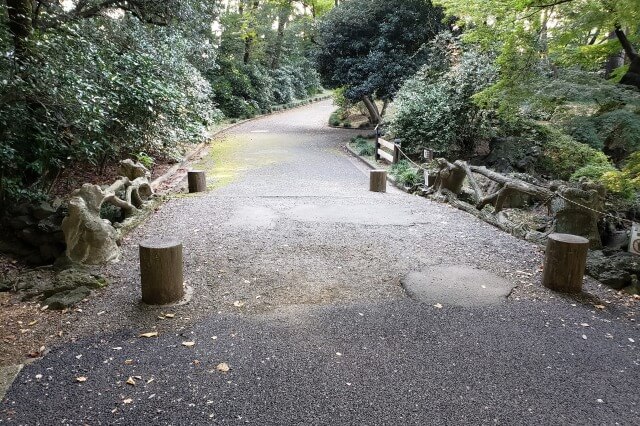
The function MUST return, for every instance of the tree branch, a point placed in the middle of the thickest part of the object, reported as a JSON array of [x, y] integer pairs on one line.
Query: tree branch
[[626, 44]]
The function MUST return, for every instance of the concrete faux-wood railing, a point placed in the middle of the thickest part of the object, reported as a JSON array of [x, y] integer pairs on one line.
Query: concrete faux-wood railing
[[393, 153]]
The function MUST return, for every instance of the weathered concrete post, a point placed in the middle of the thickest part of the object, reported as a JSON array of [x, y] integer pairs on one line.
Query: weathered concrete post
[[564, 263], [378, 180], [197, 181], [161, 271]]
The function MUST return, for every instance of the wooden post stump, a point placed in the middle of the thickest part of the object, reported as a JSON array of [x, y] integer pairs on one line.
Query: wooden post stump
[[161, 271], [197, 181], [564, 263], [378, 180]]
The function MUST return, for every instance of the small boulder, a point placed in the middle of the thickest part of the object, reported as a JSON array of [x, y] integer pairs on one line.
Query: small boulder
[[67, 299], [133, 170], [43, 211], [615, 278], [20, 222]]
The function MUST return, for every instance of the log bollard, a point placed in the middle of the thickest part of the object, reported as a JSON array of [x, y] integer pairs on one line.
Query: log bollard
[[197, 181], [378, 180], [161, 271], [564, 263]]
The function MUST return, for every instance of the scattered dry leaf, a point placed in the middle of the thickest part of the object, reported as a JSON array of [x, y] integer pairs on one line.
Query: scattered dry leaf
[[188, 344], [128, 361], [149, 334], [127, 401], [169, 315], [584, 324], [437, 305], [238, 304], [584, 336], [601, 307], [150, 380], [32, 323], [223, 367], [81, 379], [131, 382]]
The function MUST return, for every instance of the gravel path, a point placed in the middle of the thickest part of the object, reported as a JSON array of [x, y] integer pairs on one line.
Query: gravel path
[[295, 270]]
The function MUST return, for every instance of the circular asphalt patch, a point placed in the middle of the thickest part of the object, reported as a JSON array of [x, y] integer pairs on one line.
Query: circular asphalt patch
[[457, 285]]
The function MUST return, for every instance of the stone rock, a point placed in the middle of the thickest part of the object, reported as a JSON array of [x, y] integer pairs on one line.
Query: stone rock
[[51, 224], [51, 251], [615, 278], [67, 299], [43, 211], [133, 170], [89, 238], [20, 222], [73, 278], [30, 235], [22, 209]]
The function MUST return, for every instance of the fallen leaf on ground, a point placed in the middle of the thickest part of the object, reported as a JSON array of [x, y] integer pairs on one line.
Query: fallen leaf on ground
[[437, 305], [127, 401], [188, 344], [150, 380], [131, 382], [149, 334], [169, 315], [631, 340], [81, 379], [584, 336], [601, 307], [128, 361], [223, 367], [584, 324], [34, 322], [238, 304]]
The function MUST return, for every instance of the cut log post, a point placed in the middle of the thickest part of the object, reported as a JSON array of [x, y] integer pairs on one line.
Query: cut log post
[[378, 180], [161, 271], [197, 181], [564, 263]]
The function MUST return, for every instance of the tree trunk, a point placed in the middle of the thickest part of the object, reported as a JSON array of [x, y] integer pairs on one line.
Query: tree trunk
[[20, 14], [614, 61], [571, 218], [283, 19], [372, 109], [632, 76]]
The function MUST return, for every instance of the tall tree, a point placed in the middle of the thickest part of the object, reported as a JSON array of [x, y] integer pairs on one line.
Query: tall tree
[[370, 47], [576, 31]]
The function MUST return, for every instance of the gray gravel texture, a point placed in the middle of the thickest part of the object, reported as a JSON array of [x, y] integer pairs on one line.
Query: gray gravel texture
[[295, 269]]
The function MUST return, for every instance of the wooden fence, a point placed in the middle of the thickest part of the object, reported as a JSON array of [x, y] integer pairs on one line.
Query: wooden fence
[[393, 153]]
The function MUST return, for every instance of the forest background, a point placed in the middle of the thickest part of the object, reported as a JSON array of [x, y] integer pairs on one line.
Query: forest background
[[543, 87]]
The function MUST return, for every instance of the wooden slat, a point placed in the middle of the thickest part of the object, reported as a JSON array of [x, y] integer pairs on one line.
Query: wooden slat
[[385, 155], [386, 144]]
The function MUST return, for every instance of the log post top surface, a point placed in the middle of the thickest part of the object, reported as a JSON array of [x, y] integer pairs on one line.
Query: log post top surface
[[568, 238], [160, 243]]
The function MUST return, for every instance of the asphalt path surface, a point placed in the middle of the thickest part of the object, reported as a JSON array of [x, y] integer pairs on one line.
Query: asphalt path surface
[[298, 315]]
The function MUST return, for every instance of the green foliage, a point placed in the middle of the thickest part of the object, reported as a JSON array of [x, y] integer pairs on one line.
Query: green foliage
[[625, 182], [334, 120], [95, 89], [371, 47], [363, 146], [562, 156], [435, 108], [405, 173]]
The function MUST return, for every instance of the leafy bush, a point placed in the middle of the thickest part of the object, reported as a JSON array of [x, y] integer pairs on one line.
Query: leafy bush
[[405, 173], [625, 182], [562, 156], [435, 109]]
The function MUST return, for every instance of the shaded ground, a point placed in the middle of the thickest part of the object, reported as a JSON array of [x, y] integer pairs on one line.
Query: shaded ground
[[295, 270]]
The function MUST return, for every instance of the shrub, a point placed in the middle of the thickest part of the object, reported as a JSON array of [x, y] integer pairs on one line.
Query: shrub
[[435, 108], [405, 174], [562, 156], [334, 120]]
